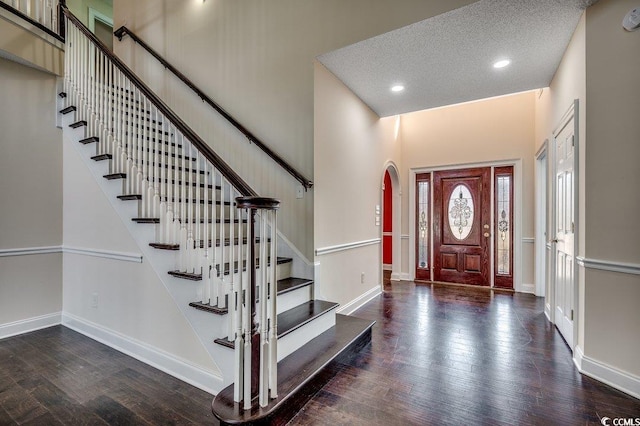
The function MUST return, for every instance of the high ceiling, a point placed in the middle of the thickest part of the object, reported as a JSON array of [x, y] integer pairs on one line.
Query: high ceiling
[[449, 58]]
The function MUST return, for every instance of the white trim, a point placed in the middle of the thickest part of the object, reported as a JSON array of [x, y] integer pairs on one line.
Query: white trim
[[528, 240], [106, 254], [528, 288], [405, 276], [360, 301], [95, 15], [30, 251], [29, 324], [348, 246], [295, 250], [387, 267], [170, 364], [609, 265], [387, 234], [404, 236], [621, 380]]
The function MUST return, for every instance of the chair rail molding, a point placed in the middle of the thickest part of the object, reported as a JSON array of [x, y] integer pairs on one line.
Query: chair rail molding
[[609, 265], [347, 246], [105, 254]]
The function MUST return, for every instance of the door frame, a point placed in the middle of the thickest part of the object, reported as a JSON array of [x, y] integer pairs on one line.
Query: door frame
[[541, 228], [573, 112], [396, 221], [517, 215]]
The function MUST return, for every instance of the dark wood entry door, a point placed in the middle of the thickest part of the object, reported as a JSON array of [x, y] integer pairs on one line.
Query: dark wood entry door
[[462, 225]]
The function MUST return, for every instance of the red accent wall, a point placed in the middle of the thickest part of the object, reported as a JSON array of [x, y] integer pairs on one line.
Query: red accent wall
[[387, 221]]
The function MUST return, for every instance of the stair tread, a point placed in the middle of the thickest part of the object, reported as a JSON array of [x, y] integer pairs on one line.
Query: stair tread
[[90, 139], [67, 110], [78, 124], [213, 309], [287, 285], [198, 277], [299, 375], [102, 157], [302, 314], [227, 243]]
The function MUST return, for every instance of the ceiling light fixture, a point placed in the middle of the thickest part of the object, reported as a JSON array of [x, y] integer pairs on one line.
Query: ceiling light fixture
[[397, 88], [502, 63]]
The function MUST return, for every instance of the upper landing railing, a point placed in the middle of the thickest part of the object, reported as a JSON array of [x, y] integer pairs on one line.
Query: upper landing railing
[[306, 182], [43, 14]]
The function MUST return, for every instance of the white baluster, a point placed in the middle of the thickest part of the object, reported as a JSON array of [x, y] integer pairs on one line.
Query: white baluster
[[273, 324], [237, 314], [222, 301], [264, 331], [247, 317], [232, 259]]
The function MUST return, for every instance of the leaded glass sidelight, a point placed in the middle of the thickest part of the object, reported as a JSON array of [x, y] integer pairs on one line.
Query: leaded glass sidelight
[[461, 211], [423, 224], [503, 240]]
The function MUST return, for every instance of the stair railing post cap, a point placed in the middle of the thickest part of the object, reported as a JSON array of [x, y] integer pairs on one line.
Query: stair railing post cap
[[259, 203]]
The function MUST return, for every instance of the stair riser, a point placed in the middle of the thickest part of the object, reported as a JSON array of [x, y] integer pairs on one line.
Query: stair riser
[[294, 298], [296, 339]]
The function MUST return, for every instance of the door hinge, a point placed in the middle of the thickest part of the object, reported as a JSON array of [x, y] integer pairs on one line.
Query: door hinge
[[573, 141], [572, 315], [573, 230]]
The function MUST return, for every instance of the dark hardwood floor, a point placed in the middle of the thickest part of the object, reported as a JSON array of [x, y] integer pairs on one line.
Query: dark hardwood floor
[[464, 356], [439, 355], [56, 376]]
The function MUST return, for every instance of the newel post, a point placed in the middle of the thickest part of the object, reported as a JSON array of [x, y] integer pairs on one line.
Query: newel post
[[257, 348]]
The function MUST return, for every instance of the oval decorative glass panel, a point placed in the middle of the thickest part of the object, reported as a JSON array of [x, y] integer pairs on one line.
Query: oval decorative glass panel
[[461, 211]]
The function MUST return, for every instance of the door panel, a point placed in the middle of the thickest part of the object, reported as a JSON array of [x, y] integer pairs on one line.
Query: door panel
[[461, 221], [564, 236], [423, 227]]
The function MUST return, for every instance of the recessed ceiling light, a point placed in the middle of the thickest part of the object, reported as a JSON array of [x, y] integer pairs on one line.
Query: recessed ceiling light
[[502, 63], [397, 88]]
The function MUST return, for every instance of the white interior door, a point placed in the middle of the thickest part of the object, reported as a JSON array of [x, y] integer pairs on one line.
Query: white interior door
[[564, 230]]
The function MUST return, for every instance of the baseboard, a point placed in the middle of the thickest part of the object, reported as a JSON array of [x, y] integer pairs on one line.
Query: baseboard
[[358, 302], [30, 324], [405, 276], [170, 364], [547, 312], [395, 276], [528, 288], [623, 381]]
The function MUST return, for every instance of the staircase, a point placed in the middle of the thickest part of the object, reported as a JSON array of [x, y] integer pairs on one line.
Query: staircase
[[210, 238]]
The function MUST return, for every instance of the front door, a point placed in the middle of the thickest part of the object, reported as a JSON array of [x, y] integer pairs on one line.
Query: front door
[[462, 230], [564, 232]]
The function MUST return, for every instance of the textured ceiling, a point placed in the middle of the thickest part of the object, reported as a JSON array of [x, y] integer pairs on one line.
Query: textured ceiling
[[449, 58]]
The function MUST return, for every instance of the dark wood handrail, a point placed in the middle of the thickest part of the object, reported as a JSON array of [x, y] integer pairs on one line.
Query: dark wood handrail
[[199, 144], [307, 183], [30, 20]]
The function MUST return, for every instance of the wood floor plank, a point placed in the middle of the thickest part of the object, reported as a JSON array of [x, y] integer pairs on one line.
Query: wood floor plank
[[455, 355]]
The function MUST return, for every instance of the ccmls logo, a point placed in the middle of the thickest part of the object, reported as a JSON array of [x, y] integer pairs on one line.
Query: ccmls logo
[[605, 421]]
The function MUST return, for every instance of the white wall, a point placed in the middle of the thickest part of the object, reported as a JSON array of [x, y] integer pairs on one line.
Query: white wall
[[132, 301], [612, 198], [31, 194], [352, 145], [255, 58]]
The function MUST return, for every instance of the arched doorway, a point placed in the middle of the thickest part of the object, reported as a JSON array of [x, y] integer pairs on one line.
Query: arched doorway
[[390, 226]]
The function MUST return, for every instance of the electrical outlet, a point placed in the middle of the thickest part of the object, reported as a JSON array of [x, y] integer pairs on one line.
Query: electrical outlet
[[94, 300]]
